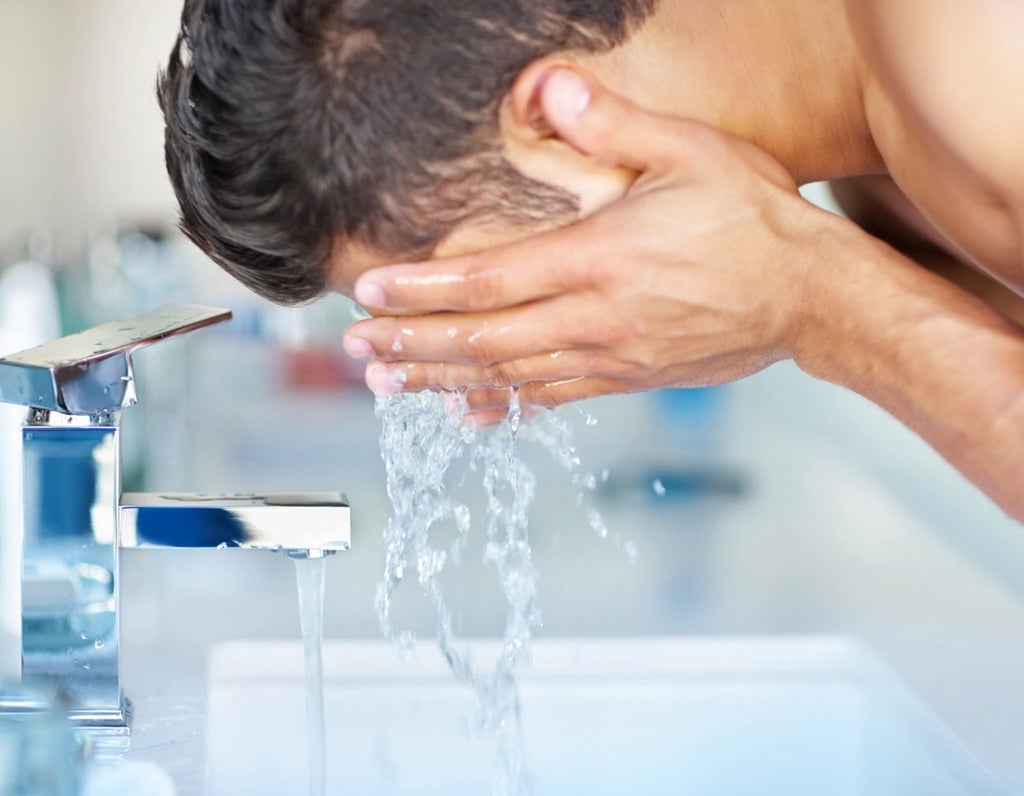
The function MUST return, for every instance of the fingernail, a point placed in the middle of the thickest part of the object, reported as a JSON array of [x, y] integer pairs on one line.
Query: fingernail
[[357, 347], [566, 93], [370, 294], [384, 381]]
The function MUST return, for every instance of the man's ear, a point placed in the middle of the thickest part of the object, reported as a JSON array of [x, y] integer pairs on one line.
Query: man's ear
[[534, 148]]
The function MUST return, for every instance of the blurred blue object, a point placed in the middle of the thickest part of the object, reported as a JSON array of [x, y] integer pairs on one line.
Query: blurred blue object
[[190, 527], [697, 408]]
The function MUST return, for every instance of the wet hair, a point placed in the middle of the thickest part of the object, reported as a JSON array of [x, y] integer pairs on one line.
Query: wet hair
[[292, 125]]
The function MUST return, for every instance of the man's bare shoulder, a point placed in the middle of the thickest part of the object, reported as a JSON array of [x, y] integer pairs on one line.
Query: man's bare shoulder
[[945, 99]]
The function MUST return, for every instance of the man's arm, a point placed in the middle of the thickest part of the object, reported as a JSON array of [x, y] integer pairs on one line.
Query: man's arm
[[946, 103], [937, 346], [877, 206]]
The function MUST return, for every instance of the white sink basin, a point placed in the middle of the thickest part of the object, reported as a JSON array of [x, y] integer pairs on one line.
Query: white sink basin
[[815, 716]]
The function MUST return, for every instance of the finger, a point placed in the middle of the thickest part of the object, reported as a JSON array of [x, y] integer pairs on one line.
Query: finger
[[486, 417], [492, 404], [555, 393], [492, 415], [545, 395], [612, 129], [496, 278], [565, 322], [385, 378], [481, 401]]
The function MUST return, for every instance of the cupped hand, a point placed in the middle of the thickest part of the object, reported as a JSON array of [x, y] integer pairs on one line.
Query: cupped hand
[[695, 277]]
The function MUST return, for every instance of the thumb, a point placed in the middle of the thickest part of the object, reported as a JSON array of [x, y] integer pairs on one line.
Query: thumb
[[608, 127]]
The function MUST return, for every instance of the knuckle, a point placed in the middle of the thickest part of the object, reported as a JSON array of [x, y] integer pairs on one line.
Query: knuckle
[[545, 396], [483, 398], [503, 374], [607, 331], [481, 290], [628, 369], [437, 376], [478, 349], [591, 269]]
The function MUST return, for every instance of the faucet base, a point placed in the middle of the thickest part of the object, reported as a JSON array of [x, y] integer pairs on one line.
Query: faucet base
[[102, 732], [108, 729]]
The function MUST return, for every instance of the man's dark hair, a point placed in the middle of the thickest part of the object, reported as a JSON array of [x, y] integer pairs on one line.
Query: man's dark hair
[[292, 124]]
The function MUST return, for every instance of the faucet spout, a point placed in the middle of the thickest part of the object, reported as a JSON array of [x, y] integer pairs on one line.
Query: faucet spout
[[303, 524]]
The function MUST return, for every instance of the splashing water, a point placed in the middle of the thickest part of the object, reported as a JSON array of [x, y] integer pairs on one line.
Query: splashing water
[[421, 438]]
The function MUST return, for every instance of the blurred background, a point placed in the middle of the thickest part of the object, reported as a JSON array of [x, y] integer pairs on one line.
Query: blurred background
[[777, 505], [81, 144]]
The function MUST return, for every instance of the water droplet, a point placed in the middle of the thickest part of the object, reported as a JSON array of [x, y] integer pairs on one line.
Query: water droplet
[[658, 487], [515, 412], [99, 644], [85, 636], [597, 523], [462, 518], [86, 666]]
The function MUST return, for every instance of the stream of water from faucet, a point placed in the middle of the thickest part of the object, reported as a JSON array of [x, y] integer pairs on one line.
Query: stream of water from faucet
[[309, 575]]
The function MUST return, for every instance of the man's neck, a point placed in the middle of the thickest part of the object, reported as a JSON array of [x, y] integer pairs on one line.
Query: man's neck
[[783, 75]]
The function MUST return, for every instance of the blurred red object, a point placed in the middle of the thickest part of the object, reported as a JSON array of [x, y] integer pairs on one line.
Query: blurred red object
[[320, 367]]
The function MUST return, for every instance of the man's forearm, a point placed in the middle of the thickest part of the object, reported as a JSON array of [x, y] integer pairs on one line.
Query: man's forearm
[[937, 358]]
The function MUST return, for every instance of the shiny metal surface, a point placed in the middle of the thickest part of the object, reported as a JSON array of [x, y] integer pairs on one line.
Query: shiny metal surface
[[75, 388], [304, 523], [69, 636], [90, 373]]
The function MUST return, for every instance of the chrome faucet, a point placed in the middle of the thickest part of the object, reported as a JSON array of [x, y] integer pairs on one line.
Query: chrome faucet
[[75, 519]]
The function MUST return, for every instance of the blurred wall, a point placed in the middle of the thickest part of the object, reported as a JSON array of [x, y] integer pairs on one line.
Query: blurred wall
[[80, 130]]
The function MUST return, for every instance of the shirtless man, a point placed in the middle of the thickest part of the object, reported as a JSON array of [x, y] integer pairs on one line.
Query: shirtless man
[[695, 261]]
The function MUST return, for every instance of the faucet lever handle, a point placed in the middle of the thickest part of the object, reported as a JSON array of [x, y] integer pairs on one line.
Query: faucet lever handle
[[90, 373]]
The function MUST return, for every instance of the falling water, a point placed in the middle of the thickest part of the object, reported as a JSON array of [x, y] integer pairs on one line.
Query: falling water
[[309, 575], [422, 436]]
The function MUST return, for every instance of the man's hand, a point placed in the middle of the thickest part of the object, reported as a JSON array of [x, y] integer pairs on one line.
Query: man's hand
[[695, 277]]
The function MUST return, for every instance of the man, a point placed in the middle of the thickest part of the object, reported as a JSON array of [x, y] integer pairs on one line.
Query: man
[[696, 261]]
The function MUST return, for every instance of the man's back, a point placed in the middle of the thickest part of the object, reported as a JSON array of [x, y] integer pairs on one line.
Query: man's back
[[945, 100]]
